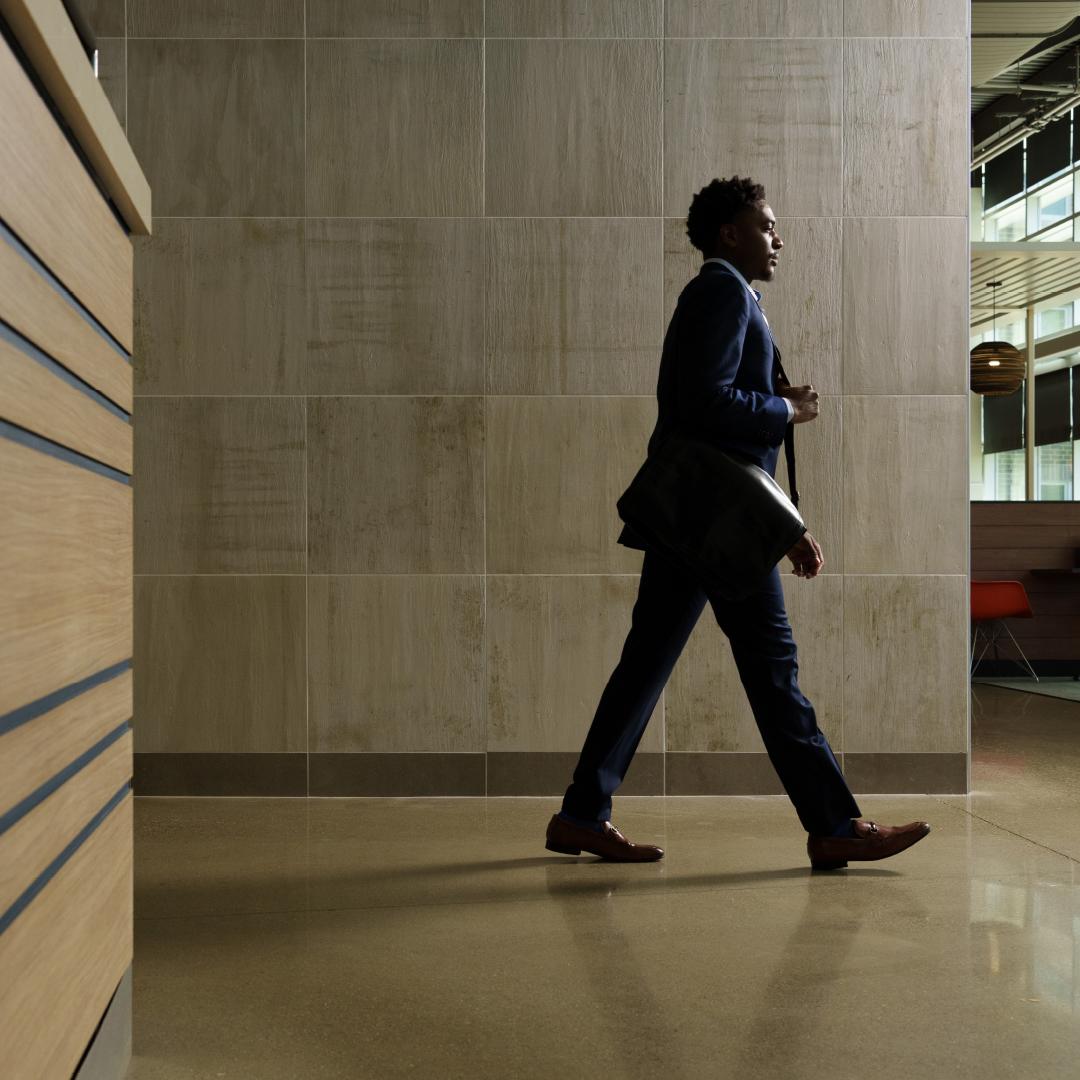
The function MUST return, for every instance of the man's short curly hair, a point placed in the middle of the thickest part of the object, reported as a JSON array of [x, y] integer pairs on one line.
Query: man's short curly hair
[[717, 203]]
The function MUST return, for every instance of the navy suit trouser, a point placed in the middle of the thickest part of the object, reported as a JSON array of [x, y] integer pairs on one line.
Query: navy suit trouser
[[668, 604]]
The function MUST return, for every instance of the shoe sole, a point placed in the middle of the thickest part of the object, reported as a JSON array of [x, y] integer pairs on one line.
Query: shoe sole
[[567, 850], [563, 850], [838, 865]]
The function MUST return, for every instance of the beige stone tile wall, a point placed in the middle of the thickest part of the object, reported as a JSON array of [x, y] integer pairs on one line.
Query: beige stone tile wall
[[397, 339]]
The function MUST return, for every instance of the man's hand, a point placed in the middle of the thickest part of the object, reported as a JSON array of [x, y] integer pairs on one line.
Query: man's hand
[[804, 398], [806, 557]]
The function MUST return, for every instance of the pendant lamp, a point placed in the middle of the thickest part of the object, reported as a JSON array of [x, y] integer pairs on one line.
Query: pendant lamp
[[997, 368]]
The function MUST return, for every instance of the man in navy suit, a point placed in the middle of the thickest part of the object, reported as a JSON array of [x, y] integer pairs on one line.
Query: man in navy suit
[[720, 379]]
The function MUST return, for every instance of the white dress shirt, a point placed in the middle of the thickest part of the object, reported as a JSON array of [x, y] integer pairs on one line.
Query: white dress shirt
[[757, 300]]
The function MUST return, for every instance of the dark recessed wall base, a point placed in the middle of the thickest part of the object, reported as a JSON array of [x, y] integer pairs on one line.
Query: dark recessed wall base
[[543, 774], [722, 774], [220, 774], [397, 774], [551, 774], [903, 774], [1014, 669]]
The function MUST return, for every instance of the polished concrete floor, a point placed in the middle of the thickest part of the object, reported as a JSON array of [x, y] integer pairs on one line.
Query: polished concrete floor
[[385, 938]]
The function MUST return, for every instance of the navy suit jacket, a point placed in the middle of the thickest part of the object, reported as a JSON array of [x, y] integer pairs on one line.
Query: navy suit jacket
[[717, 374]]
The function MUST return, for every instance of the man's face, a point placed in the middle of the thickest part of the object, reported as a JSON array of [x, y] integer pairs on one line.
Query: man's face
[[751, 243]]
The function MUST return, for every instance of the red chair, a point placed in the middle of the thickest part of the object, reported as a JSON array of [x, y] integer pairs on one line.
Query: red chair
[[993, 602]]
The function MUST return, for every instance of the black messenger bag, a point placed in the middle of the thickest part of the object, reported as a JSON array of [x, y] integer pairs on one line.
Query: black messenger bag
[[715, 512]]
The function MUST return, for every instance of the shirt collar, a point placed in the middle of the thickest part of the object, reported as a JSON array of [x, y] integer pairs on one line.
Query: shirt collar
[[757, 295]]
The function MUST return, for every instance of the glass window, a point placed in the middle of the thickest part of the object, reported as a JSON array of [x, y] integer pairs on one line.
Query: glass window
[[1054, 472], [1003, 476], [1051, 204], [1007, 224], [1062, 232], [1053, 320]]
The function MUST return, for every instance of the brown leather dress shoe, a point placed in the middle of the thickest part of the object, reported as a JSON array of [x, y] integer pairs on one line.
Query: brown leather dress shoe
[[871, 841], [569, 839]]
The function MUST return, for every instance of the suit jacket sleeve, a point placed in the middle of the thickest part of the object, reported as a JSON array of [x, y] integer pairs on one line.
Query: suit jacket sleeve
[[710, 339]]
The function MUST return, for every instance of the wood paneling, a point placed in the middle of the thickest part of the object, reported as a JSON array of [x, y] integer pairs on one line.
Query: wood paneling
[[66, 953], [65, 574], [905, 18], [900, 336], [904, 153], [37, 750], [30, 304], [215, 18], [905, 663], [220, 486], [1008, 541], [573, 306], [47, 37], [785, 132], [395, 306], [905, 484], [112, 74], [763, 18], [39, 836], [221, 663], [552, 643], [395, 18], [394, 128], [41, 401], [219, 307], [555, 467], [65, 544], [105, 17], [396, 663], [50, 202], [572, 128], [571, 18], [219, 124], [396, 485]]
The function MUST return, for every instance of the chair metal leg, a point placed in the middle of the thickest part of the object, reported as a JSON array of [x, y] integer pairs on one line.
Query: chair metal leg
[[1019, 650], [992, 639], [975, 637]]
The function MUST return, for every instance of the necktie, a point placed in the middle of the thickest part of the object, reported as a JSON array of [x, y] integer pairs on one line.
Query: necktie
[[789, 431]]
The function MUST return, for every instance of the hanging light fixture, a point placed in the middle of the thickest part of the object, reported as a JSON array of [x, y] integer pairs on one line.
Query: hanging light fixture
[[997, 368]]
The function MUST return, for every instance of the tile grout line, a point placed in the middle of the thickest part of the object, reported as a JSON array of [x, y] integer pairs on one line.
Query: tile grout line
[[484, 641], [663, 277], [307, 449], [180, 38], [844, 553], [1006, 829]]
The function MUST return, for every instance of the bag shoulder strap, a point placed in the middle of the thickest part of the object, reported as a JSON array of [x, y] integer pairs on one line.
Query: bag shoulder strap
[[789, 435]]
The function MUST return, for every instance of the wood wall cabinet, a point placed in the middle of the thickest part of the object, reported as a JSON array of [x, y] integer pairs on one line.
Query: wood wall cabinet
[[71, 196]]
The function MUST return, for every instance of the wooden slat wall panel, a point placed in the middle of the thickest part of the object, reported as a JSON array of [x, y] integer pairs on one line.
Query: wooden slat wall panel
[[50, 202], [65, 574], [47, 37], [39, 836], [35, 751], [39, 400], [30, 304], [66, 555], [1008, 540], [66, 953]]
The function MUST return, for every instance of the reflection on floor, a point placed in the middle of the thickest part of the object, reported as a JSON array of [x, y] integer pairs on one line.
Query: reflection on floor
[[1051, 685], [437, 938]]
